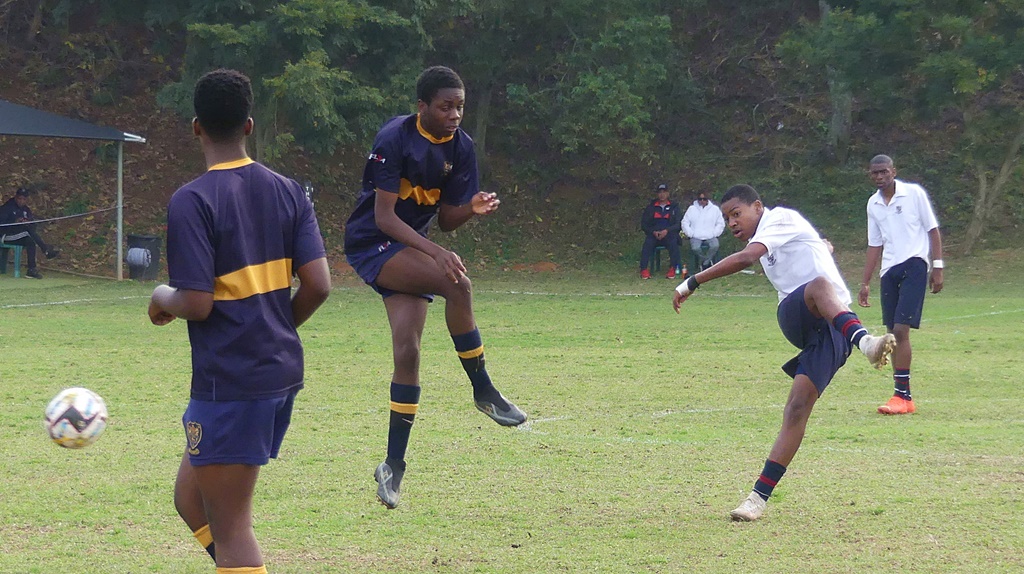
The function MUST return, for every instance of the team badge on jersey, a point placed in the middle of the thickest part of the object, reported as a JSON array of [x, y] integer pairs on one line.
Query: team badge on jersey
[[194, 432], [447, 168]]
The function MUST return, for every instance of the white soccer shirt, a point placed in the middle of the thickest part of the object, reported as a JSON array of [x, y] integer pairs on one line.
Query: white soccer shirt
[[901, 228], [796, 253]]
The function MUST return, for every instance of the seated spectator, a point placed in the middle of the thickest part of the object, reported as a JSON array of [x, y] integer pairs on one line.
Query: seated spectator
[[15, 229], [660, 221], [703, 224]]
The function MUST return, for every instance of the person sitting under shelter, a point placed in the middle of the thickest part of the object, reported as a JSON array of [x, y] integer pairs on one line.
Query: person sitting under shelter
[[15, 229]]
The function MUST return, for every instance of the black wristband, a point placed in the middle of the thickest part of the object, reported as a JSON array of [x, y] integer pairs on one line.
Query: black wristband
[[691, 283]]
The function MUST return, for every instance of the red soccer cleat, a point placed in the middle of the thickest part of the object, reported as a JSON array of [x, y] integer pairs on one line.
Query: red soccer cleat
[[898, 406]]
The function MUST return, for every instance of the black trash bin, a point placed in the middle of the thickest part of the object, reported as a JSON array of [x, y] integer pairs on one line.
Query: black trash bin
[[143, 257]]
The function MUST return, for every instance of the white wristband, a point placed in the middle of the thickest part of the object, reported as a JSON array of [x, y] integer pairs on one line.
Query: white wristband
[[937, 264], [687, 287]]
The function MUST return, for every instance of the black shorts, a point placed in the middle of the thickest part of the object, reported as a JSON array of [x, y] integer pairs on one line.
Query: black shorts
[[903, 289], [823, 349]]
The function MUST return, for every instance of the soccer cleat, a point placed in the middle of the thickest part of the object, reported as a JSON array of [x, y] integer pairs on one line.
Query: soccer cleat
[[898, 406], [671, 274], [389, 479], [750, 509], [34, 273], [645, 274], [507, 416], [877, 349], [52, 253]]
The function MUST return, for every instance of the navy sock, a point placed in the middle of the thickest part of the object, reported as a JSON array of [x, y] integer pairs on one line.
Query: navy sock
[[405, 401], [901, 379], [770, 476], [470, 348], [850, 326]]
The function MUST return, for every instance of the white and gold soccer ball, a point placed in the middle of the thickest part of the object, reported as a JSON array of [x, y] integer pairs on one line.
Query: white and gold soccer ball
[[75, 418]]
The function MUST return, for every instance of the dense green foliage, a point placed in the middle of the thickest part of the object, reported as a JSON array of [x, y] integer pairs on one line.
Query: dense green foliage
[[601, 96]]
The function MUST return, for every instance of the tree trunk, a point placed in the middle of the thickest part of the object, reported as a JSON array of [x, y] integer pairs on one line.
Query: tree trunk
[[841, 99], [483, 118], [842, 118], [36, 25], [988, 195]]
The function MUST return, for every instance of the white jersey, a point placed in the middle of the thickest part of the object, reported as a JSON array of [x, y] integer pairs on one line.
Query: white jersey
[[796, 253], [901, 228]]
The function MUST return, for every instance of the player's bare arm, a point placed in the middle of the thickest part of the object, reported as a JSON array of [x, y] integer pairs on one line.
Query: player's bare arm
[[871, 259], [935, 242], [451, 217], [168, 303], [314, 288], [732, 264], [389, 222]]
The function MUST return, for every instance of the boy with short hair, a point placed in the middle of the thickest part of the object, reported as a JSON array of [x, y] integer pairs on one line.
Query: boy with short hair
[[904, 235], [813, 313], [235, 237], [422, 166]]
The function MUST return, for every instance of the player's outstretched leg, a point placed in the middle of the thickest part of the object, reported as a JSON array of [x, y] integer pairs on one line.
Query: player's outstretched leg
[[488, 400], [802, 397], [822, 300]]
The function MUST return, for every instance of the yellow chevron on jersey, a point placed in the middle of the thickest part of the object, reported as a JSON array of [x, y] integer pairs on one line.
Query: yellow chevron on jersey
[[253, 280], [418, 194]]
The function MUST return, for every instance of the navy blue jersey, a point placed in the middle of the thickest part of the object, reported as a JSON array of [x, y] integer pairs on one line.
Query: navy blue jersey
[[423, 170], [238, 231]]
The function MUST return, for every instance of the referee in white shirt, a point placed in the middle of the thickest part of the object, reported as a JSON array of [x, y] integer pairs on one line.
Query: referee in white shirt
[[904, 233]]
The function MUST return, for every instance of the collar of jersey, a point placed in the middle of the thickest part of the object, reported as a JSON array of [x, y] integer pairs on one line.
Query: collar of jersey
[[231, 164], [426, 134], [896, 192]]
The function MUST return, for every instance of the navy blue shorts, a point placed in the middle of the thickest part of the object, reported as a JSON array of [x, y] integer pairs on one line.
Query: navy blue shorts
[[236, 432], [823, 349], [903, 289], [368, 263]]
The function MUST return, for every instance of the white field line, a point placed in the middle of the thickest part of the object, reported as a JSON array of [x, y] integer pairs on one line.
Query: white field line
[[72, 302]]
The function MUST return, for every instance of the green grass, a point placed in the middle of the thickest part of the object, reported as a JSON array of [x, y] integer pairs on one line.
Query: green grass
[[646, 429]]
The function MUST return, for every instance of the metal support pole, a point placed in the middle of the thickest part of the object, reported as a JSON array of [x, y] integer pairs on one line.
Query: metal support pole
[[120, 211]]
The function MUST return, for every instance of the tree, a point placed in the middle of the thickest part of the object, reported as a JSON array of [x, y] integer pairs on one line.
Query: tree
[[588, 71], [325, 72], [934, 57]]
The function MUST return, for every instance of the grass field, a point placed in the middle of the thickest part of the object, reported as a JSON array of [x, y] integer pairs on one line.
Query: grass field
[[646, 429]]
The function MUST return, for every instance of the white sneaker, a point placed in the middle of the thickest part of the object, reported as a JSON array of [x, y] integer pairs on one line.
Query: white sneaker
[[750, 509], [877, 349]]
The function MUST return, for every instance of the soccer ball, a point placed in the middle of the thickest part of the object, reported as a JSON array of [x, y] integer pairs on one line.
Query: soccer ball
[[75, 418]]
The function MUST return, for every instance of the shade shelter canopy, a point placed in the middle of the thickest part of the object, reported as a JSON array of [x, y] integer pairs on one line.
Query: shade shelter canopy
[[18, 120]]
